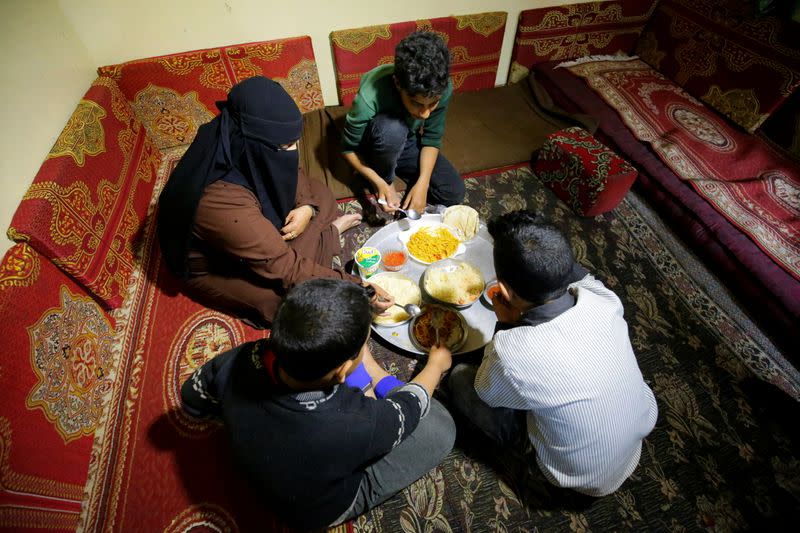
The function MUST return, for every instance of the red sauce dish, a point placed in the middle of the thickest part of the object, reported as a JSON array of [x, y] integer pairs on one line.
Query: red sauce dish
[[393, 260]]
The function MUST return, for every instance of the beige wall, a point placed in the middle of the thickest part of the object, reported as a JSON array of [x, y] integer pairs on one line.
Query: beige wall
[[51, 48], [47, 70]]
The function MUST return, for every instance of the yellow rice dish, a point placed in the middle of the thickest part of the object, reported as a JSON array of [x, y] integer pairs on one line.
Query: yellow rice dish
[[458, 283], [429, 244]]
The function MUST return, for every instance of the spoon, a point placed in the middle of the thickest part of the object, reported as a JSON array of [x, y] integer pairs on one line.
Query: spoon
[[411, 309], [410, 213]]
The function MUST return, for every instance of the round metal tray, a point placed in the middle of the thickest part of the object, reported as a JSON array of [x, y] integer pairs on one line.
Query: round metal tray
[[480, 320]]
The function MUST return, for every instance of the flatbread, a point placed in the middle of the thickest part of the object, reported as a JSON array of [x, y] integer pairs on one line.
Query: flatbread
[[403, 289], [463, 219]]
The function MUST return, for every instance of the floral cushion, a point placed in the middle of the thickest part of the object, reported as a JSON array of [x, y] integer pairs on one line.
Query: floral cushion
[[576, 30], [86, 206], [474, 42], [58, 366], [173, 95], [716, 49], [583, 172]]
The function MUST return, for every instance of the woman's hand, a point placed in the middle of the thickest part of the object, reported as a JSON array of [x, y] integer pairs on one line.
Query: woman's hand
[[297, 221]]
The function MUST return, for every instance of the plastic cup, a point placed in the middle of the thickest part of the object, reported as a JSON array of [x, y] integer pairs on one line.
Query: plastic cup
[[368, 260]]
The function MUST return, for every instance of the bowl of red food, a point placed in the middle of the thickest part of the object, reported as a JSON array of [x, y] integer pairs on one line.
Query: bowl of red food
[[438, 321], [393, 259], [491, 290]]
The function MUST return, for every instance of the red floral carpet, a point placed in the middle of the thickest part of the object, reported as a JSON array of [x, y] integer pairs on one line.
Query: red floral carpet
[[155, 469], [737, 173]]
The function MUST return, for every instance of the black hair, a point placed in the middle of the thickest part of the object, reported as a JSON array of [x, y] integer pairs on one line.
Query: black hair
[[321, 324], [422, 64], [532, 257]]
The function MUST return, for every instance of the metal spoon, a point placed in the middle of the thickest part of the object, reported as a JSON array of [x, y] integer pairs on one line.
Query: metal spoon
[[411, 309], [410, 213]]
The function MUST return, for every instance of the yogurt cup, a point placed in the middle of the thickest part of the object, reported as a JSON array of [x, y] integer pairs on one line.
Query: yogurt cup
[[368, 260]]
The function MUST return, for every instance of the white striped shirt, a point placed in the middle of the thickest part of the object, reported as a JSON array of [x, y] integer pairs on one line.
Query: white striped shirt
[[577, 376]]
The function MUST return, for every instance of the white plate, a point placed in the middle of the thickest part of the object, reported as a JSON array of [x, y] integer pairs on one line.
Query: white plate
[[404, 237]]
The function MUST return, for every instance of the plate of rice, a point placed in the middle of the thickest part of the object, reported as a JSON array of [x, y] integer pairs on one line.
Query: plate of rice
[[431, 242], [453, 282]]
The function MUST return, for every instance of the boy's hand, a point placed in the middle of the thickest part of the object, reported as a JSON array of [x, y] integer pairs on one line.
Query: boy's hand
[[382, 300], [504, 310], [416, 198], [441, 357], [388, 194]]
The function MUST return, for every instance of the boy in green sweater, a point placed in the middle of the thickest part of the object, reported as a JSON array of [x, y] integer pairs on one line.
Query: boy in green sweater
[[396, 124]]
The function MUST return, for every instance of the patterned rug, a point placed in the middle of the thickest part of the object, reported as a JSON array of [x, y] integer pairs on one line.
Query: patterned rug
[[722, 456], [717, 456]]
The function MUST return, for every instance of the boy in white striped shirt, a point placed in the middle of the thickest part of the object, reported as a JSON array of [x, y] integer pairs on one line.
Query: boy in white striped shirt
[[560, 368]]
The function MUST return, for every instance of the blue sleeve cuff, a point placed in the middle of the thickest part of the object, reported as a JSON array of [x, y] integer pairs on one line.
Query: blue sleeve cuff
[[386, 385], [359, 379]]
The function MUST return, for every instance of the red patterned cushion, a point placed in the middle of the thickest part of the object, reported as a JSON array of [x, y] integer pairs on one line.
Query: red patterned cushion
[[583, 172], [57, 343], [572, 31], [175, 94], [86, 206], [719, 53], [474, 42]]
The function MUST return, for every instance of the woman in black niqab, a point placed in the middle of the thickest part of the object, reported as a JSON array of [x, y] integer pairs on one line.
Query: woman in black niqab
[[239, 223], [242, 145]]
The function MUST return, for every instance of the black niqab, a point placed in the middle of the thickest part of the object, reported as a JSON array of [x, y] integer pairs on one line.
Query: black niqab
[[241, 145]]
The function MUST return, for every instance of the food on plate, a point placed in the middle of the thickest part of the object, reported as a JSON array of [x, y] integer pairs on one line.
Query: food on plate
[[393, 260], [432, 243], [463, 219], [433, 317], [403, 289], [492, 288], [454, 282]]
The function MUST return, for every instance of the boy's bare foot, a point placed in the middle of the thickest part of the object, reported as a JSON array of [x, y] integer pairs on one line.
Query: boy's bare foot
[[346, 222]]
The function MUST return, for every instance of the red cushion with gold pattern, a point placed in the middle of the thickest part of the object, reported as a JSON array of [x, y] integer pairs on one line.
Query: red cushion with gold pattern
[[58, 366], [173, 95], [583, 172], [720, 53], [576, 30], [474, 42], [85, 208]]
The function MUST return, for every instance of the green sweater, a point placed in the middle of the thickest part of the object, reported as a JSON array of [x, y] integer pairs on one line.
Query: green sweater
[[378, 94]]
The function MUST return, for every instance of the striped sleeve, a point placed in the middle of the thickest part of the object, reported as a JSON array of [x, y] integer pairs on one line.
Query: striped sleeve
[[493, 383], [397, 416]]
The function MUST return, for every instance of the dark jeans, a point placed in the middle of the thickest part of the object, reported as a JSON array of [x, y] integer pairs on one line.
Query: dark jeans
[[389, 151], [509, 427], [422, 451]]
